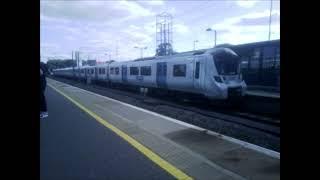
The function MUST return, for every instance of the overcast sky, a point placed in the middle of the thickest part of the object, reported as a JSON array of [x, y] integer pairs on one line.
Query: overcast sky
[[98, 27]]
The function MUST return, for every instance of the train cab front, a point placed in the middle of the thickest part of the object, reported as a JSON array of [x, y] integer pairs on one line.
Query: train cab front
[[227, 76]]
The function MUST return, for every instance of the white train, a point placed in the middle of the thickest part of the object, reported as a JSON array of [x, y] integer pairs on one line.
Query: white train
[[214, 73]]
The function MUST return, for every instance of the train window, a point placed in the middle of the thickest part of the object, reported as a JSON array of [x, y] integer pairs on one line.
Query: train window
[[227, 62], [134, 71], [278, 58], [103, 70], [254, 61], [268, 63], [256, 53], [112, 70], [268, 58], [197, 70], [244, 62], [116, 70], [179, 70], [146, 70]]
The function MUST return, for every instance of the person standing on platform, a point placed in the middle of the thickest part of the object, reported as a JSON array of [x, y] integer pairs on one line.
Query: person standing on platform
[[43, 103]]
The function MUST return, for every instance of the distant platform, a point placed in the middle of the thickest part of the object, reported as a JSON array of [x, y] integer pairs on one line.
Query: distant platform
[[263, 93]]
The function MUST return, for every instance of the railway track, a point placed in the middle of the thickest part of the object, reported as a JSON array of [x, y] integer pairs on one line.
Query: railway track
[[264, 124]]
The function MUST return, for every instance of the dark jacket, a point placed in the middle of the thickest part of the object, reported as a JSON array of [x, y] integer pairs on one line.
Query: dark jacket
[[43, 82], [44, 68]]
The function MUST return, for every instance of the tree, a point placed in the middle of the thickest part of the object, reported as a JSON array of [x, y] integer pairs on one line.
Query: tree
[[57, 63]]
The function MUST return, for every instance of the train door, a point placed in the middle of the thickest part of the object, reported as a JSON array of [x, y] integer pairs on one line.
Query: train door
[[162, 74], [107, 72], [124, 73], [96, 73], [77, 73], [197, 71]]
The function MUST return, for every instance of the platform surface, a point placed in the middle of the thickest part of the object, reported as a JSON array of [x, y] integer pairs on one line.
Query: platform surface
[[186, 147], [74, 146]]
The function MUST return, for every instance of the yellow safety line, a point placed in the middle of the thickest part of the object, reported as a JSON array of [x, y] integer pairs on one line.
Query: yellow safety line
[[177, 173]]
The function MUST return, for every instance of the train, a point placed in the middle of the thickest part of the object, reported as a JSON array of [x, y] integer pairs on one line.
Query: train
[[260, 64], [211, 73]]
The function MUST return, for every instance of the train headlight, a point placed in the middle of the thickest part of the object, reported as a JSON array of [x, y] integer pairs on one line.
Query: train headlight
[[218, 79]]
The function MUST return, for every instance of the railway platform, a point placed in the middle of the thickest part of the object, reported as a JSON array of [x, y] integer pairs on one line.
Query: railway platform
[[262, 91], [113, 139]]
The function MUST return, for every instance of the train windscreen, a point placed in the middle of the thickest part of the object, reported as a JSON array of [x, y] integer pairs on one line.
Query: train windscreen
[[227, 62]]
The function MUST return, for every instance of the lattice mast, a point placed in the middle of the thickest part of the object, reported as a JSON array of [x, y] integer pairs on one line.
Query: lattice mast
[[164, 34]]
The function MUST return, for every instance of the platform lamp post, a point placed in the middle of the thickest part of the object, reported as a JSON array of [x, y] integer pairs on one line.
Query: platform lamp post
[[141, 50], [194, 44], [270, 20], [215, 36], [82, 48], [109, 56]]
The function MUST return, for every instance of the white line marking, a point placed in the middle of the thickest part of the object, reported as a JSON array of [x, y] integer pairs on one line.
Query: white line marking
[[263, 150], [262, 94]]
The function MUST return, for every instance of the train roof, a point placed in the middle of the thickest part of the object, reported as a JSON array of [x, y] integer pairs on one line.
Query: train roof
[[188, 53], [62, 69], [237, 48], [194, 52], [247, 48], [261, 43]]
